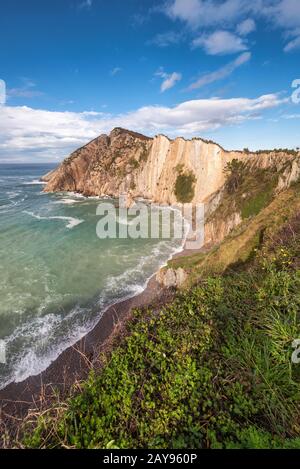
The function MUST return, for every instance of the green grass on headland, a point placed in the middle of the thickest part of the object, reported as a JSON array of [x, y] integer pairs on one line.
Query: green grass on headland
[[210, 370]]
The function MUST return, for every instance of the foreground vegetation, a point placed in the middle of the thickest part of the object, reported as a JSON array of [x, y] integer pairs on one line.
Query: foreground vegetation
[[210, 370]]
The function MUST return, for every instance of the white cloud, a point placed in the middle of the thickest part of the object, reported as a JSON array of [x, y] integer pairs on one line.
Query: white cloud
[[220, 43], [169, 79], [282, 13], [292, 45], [166, 39], [222, 72], [115, 71], [234, 15], [26, 90], [206, 13], [85, 4], [246, 27], [53, 135]]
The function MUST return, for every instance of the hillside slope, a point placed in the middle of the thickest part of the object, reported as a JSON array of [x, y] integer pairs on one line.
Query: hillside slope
[[212, 369], [127, 162]]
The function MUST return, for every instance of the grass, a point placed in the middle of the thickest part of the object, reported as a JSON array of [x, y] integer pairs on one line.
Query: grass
[[184, 187], [210, 370], [239, 245], [247, 191], [257, 201]]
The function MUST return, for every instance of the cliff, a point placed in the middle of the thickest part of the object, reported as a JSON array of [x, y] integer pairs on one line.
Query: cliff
[[177, 171], [127, 162]]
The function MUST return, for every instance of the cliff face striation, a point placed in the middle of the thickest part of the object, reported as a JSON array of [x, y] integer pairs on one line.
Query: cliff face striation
[[177, 171], [154, 168], [128, 162]]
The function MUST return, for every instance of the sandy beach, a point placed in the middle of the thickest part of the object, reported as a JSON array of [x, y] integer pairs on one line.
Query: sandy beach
[[75, 362]]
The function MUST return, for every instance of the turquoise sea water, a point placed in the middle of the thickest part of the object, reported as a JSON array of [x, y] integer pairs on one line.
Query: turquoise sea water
[[56, 275]]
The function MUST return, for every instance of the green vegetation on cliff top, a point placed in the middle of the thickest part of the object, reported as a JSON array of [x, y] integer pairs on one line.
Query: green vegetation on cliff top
[[212, 369]]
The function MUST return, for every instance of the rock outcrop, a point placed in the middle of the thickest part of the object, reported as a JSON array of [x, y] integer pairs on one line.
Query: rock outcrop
[[171, 278], [160, 169], [128, 162]]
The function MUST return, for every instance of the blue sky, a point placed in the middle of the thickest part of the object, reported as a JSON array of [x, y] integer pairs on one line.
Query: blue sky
[[74, 69]]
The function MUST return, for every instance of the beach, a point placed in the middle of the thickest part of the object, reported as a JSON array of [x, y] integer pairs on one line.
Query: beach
[[75, 362]]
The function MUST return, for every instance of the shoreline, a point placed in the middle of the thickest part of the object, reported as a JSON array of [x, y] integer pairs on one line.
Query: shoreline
[[177, 251], [75, 362]]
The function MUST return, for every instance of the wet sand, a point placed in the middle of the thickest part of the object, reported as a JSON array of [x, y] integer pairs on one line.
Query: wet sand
[[75, 362]]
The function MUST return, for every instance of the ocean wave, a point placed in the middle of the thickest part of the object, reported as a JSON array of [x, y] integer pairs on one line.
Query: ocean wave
[[42, 341], [35, 182], [132, 280], [76, 195], [44, 338], [72, 222], [66, 202], [13, 194]]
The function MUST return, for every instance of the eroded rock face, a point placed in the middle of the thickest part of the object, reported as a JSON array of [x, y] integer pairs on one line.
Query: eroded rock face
[[217, 230], [146, 167], [126, 162], [290, 175], [105, 166], [171, 277]]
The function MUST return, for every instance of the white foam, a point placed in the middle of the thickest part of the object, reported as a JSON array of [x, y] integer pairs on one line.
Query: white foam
[[66, 201], [12, 194], [39, 331], [77, 195], [124, 221], [48, 329], [35, 182], [72, 222]]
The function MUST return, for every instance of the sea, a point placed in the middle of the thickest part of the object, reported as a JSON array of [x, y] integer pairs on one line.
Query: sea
[[57, 277]]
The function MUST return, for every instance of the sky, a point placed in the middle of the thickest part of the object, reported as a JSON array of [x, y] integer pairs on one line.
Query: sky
[[70, 70]]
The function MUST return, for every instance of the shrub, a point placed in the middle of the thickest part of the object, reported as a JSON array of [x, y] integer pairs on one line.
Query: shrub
[[234, 171], [210, 370], [134, 163], [184, 187]]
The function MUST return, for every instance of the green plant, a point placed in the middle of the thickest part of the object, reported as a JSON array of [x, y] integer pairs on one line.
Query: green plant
[[134, 163], [184, 187], [132, 185], [209, 370], [144, 154], [234, 171]]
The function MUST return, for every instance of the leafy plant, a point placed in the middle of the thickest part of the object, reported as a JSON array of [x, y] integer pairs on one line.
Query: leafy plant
[[234, 171], [184, 187], [209, 370]]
